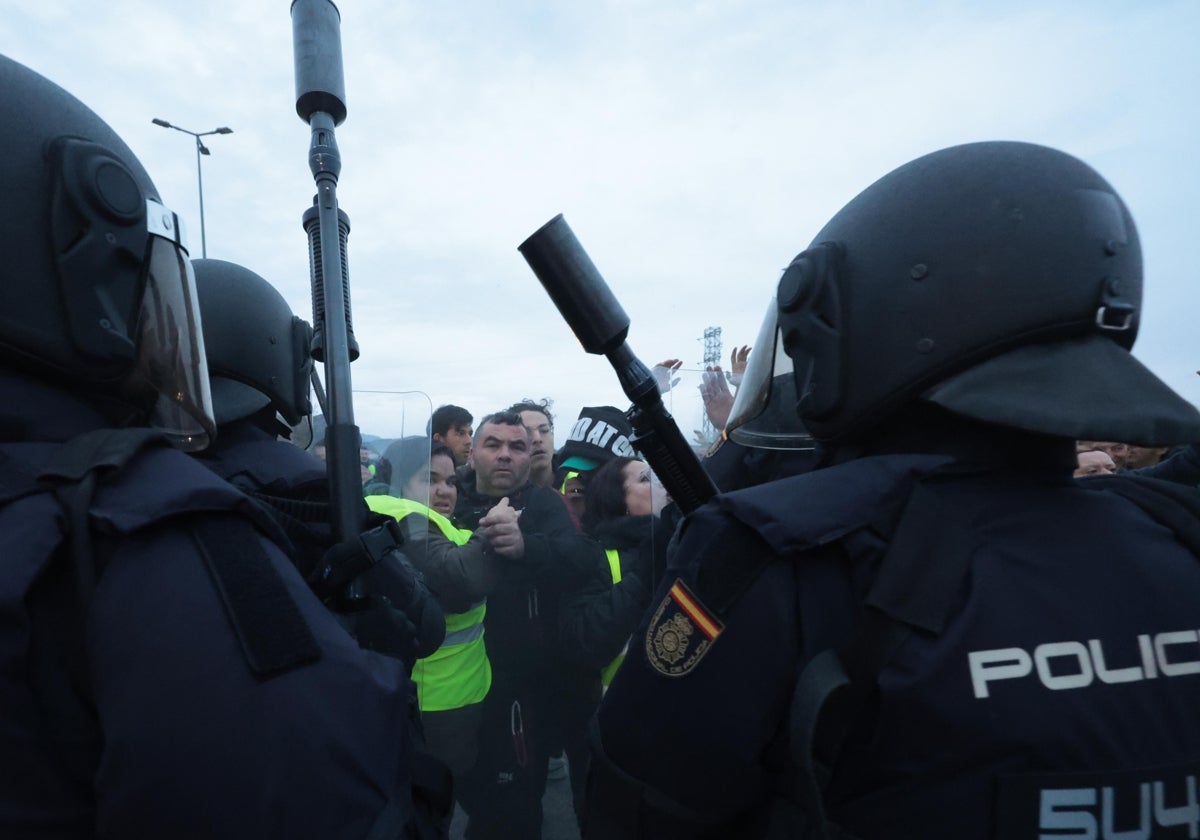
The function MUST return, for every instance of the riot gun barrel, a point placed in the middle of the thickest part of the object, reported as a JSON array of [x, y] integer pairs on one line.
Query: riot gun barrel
[[321, 102], [576, 287], [593, 313], [317, 54]]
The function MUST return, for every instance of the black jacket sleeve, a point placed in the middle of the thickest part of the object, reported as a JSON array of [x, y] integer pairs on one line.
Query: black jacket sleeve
[[553, 545], [598, 617], [458, 575], [597, 620]]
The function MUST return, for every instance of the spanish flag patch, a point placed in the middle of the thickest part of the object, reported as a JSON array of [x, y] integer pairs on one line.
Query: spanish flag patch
[[681, 631]]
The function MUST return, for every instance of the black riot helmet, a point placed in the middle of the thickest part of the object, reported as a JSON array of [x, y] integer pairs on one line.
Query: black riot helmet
[[95, 285], [258, 351], [999, 280]]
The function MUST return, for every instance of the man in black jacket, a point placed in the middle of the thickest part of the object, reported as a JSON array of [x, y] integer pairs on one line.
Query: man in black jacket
[[530, 526]]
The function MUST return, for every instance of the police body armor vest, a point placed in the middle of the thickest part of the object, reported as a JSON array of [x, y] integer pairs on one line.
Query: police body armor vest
[[458, 673], [59, 502], [983, 654]]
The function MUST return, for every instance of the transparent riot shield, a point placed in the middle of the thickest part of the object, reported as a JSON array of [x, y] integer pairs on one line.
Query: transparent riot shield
[[395, 443], [700, 401]]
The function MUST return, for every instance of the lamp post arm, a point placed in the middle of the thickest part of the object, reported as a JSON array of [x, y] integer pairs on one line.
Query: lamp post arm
[[199, 176]]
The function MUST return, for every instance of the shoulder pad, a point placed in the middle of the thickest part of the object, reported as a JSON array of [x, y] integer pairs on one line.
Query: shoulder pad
[[810, 510], [162, 483]]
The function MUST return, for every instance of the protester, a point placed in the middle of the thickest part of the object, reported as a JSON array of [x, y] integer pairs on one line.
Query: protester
[[451, 425], [540, 422], [596, 620], [546, 557], [1140, 457], [599, 434], [1094, 462], [460, 569], [1119, 452]]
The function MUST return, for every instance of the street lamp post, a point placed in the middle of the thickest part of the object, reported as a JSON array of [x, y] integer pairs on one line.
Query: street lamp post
[[201, 149]]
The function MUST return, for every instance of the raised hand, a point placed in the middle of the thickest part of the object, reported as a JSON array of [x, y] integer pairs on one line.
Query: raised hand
[[718, 399], [738, 360], [664, 374]]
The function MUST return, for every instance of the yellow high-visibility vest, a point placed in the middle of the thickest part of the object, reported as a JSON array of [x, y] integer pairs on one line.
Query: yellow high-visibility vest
[[458, 673]]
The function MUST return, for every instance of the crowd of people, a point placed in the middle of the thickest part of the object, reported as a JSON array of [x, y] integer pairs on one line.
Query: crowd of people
[[1179, 464], [543, 559], [540, 607]]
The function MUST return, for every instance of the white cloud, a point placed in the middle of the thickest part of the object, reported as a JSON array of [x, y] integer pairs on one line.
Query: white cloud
[[693, 147]]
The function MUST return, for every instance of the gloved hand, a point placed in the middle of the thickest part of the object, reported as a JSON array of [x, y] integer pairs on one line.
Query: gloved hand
[[347, 560], [377, 625], [371, 566], [403, 586]]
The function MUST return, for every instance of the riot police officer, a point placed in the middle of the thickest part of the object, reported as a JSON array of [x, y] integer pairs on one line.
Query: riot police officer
[[939, 633], [259, 365], [164, 671]]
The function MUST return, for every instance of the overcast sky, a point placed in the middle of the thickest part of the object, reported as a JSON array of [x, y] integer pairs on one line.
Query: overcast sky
[[694, 148]]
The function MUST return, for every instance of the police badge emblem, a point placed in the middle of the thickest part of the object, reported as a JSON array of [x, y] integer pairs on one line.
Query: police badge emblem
[[681, 631]]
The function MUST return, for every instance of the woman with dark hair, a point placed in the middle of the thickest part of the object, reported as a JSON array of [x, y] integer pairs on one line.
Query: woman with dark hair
[[596, 621], [620, 515], [622, 487], [419, 471], [460, 570]]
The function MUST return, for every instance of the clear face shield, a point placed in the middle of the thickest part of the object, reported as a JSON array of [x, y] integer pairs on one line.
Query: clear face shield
[[171, 372], [395, 455], [764, 413]]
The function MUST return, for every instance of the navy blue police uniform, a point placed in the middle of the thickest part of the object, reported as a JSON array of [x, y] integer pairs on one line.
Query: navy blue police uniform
[[253, 459], [200, 689], [291, 484], [1022, 654]]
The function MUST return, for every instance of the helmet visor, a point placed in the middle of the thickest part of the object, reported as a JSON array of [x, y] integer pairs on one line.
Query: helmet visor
[[171, 370], [764, 412]]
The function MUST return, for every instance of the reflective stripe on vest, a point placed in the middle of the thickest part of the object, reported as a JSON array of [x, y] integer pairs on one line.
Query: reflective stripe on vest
[[614, 567], [466, 626], [458, 673]]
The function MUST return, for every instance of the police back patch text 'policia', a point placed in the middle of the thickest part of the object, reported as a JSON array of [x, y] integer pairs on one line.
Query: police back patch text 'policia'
[[681, 631]]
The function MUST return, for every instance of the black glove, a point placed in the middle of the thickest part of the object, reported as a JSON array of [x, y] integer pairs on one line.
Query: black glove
[[397, 580], [346, 561], [377, 625], [355, 571]]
